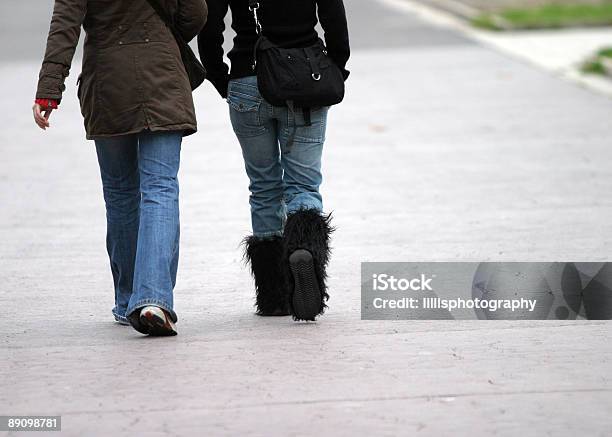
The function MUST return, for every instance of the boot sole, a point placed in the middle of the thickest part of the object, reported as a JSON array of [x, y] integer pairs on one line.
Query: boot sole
[[157, 326], [277, 313], [306, 293]]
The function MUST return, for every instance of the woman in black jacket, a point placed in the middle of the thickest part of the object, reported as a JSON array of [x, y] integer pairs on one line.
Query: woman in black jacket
[[289, 248]]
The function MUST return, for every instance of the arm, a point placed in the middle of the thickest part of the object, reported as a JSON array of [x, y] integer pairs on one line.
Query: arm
[[333, 20], [210, 45], [68, 15], [191, 17]]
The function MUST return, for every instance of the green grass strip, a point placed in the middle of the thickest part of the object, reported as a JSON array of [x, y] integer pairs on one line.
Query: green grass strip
[[548, 16], [595, 64]]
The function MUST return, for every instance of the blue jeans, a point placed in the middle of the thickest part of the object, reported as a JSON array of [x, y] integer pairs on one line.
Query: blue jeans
[[282, 179], [139, 178]]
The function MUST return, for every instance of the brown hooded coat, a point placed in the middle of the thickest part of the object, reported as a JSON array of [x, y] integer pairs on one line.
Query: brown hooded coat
[[132, 76]]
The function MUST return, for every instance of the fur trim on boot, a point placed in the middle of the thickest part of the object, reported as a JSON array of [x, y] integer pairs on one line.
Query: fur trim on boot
[[265, 257], [306, 237]]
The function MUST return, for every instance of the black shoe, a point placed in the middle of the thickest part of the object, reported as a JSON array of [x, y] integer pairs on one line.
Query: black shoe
[[307, 251], [265, 256]]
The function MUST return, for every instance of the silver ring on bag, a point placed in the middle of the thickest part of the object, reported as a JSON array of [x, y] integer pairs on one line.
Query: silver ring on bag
[[316, 76]]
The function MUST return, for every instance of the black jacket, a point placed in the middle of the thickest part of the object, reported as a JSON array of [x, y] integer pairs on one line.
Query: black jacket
[[287, 23]]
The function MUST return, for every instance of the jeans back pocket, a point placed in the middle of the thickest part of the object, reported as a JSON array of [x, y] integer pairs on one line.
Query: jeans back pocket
[[245, 102]]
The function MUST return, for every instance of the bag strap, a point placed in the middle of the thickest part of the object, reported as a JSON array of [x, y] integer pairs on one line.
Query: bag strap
[[292, 132], [254, 7], [314, 68], [255, 48], [162, 13], [167, 19]]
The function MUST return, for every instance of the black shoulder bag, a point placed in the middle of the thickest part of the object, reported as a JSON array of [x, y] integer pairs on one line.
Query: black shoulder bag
[[194, 68], [295, 77]]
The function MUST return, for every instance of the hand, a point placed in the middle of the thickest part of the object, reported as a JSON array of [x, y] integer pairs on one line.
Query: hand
[[41, 117]]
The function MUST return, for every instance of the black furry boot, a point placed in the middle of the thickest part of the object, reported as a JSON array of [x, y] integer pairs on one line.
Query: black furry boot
[[307, 235], [265, 257]]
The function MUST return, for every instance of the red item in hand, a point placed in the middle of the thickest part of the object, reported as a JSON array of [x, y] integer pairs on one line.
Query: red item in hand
[[46, 103]]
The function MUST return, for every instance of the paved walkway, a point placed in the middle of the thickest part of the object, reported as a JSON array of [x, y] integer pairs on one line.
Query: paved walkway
[[563, 52], [443, 150]]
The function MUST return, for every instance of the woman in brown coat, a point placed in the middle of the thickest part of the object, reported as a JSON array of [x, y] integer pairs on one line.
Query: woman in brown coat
[[137, 105]]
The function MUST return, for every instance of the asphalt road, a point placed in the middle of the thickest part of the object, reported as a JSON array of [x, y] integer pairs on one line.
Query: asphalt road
[[443, 150]]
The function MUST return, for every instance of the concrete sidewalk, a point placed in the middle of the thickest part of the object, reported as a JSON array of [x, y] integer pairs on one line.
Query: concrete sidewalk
[[443, 150]]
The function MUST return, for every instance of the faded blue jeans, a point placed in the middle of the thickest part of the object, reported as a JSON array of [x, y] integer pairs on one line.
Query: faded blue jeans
[[141, 191], [282, 179]]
